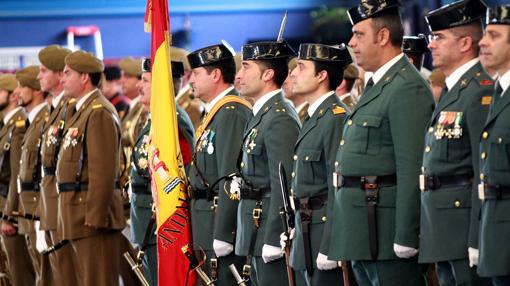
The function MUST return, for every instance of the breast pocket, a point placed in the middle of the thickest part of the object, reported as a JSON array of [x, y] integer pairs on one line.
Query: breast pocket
[[499, 144], [365, 134], [253, 164], [309, 165], [72, 146]]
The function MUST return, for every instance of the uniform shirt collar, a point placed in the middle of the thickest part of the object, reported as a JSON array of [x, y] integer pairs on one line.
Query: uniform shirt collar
[[11, 113], [458, 73], [211, 104], [82, 100], [378, 74], [56, 100], [133, 102], [344, 96], [313, 107], [504, 81], [33, 113], [265, 98]]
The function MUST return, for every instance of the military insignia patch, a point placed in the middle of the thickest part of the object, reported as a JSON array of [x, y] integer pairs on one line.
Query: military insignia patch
[[486, 100], [20, 123], [486, 82], [338, 110]]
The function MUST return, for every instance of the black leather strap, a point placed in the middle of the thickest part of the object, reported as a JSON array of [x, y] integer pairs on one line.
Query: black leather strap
[[360, 182], [435, 182], [496, 192], [255, 194], [306, 212], [201, 194], [29, 187]]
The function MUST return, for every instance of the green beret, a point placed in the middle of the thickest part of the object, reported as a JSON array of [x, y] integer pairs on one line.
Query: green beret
[[28, 77], [84, 62], [8, 82], [351, 72], [53, 57], [131, 66]]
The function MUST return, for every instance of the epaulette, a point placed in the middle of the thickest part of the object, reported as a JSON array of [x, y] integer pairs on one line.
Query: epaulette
[[20, 123], [338, 110]]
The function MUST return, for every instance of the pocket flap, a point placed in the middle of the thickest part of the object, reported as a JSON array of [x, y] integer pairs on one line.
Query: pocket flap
[[500, 137], [368, 120], [309, 155]]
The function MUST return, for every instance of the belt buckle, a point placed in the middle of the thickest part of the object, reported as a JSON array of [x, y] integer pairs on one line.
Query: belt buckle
[[246, 270], [336, 180], [257, 212], [215, 203], [422, 182], [481, 191], [214, 263]]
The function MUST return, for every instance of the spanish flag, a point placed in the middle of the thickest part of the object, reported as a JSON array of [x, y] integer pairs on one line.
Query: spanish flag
[[168, 177]]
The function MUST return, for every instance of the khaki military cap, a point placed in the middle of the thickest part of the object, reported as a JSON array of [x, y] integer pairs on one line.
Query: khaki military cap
[[351, 72], [84, 62], [53, 57], [292, 64], [131, 66], [239, 62], [28, 77], [180, 55], [8, 82]]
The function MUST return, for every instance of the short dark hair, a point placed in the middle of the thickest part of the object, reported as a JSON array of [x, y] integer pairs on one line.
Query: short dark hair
[[335, 73], [227, 68], [95, 79], [349, 83], [280, 68], [390, 20]]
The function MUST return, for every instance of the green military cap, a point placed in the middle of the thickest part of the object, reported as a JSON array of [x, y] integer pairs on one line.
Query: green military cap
[[437, 77], [371, 8], [53, 57], [499, 15], [455, 14], [211, 55], [351, 72], [292, 64], [8, 82], [28, 77], [180, 55], [339, 57], [84, 62], [267, 51], [415, 44], [131, 66]]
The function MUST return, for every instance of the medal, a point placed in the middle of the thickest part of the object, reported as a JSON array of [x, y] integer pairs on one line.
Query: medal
[[210, 148]]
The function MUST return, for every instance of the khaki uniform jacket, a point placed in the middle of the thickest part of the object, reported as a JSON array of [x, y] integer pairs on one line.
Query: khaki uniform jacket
[[273, 132], [11, 137], [91, 140], [30, 170], [450, 215], [51, 142], [383, 136], [495, 170]]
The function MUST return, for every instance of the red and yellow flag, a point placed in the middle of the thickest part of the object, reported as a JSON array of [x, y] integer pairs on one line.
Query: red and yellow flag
[[168, 177]]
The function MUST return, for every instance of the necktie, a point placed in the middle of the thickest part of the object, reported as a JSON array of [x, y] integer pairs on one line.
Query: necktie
[[499, 89], [27, 123], [369, 85], [307, 117]]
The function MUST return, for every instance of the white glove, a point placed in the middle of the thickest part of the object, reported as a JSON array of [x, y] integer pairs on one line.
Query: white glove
[[270, 253], [404, 251], [222, 248], [235, 188], [284, 239], [323, 263], [473, 254], [40, 243]]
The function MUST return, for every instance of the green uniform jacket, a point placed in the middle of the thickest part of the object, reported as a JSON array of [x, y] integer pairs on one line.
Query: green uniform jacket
[[383, 136], [449, 215], [315, 152], [30, 170], [495, 167], [141, 203], [277, 127], [11, 137], [216, 156]]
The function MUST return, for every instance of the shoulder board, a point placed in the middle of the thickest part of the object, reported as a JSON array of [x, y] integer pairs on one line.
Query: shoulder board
[[20, 123], [338, 110], [486, 100]]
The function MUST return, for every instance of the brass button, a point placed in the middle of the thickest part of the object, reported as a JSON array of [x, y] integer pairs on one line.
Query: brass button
[[307, 158], [427, 149], [336, 164], [295, 157], [457, 204], [349, 122], [248, 151], [482, 176], [500, 140], [35, 199], [365, 123], [485, 135], [324, 218], [192, 163], [342, 142], [293, 174], [431, 129], [484, 155], [242, 164], [79, 199]]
